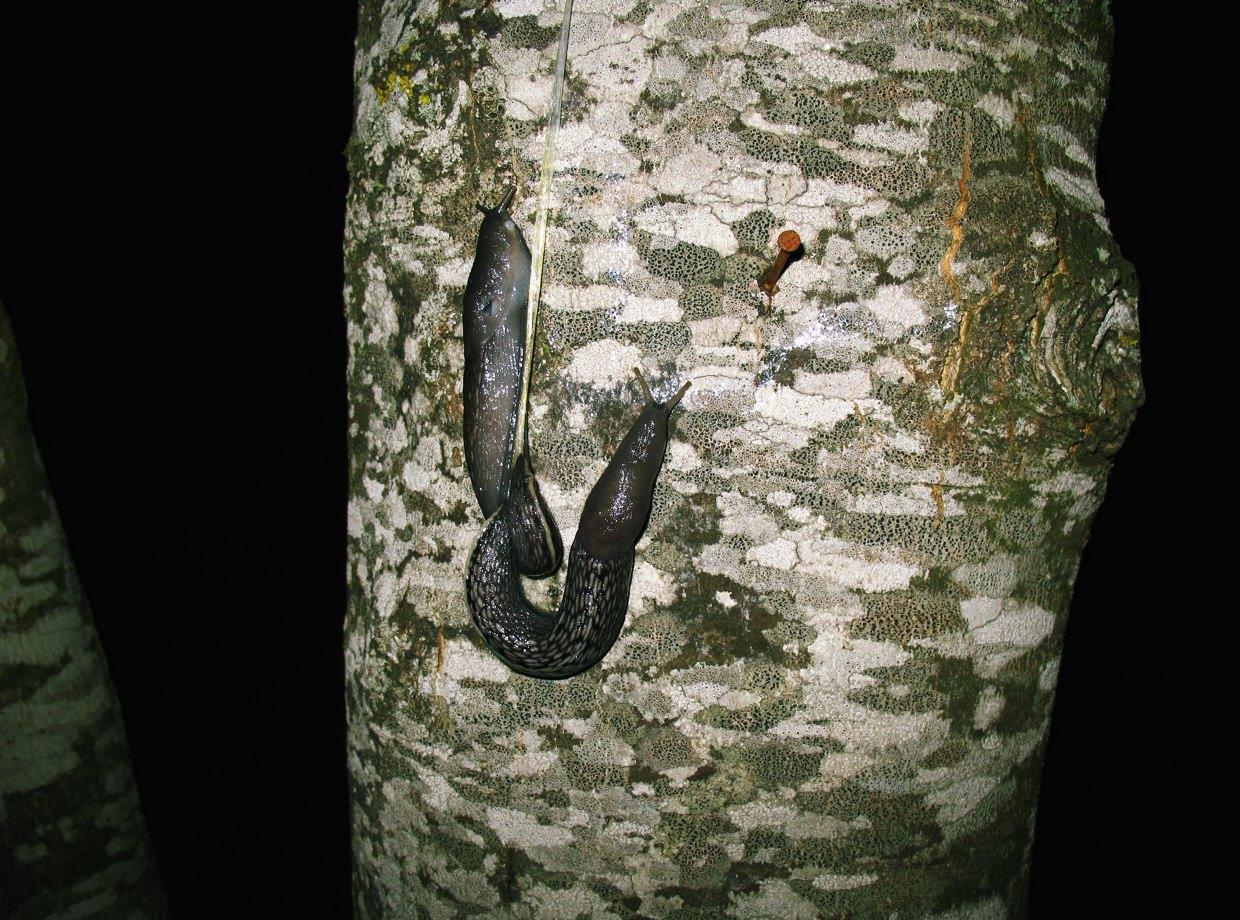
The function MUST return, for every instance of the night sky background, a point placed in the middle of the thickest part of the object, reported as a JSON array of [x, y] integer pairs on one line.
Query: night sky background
[[171, 223]]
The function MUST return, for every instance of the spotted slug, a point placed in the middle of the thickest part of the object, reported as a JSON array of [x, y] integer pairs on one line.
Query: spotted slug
[[592, 609], [496, 314]]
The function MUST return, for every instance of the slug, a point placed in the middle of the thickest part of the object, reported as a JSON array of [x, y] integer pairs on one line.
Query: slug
[[495, 317], [600, 566]]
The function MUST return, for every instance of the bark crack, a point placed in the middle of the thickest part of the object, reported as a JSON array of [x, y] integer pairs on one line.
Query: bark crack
[[955, 353], [1045, 289], [955, 222], [936, 490], [1031, 151]]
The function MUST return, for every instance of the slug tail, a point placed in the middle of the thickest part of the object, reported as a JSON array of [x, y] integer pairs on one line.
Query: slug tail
[[537, 547]]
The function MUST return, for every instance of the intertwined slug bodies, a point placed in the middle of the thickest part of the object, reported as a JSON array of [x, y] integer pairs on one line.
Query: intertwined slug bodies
[[519, 537], [600, 566]]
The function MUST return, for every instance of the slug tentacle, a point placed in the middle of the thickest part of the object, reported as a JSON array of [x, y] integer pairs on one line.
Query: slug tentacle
[[504, 206], [600, 567], [495, 318]]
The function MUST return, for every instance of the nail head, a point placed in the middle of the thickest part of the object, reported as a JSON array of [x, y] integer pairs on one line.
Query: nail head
[[789, 241]]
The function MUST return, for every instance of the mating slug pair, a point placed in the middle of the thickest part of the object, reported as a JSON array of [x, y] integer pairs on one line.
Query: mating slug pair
[[519, 536]]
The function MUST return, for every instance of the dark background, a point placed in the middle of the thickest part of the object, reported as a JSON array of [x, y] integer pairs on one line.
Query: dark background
[[170, 249]]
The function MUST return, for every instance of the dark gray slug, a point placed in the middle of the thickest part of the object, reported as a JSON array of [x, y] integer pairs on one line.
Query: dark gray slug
[[496, 314], [600, 566]]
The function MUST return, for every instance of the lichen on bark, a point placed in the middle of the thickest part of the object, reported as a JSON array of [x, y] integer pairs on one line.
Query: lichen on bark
[[833, 690], [74, 843]]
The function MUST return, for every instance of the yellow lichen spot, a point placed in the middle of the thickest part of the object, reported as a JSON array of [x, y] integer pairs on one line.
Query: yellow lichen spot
[[390, 83], [424, 99]]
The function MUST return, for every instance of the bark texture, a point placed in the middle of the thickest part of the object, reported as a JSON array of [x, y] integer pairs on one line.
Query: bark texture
[[832, 693], [73, 843]]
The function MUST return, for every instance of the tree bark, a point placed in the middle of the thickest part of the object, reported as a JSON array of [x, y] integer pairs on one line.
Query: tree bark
[[832, 693], [73, 841]]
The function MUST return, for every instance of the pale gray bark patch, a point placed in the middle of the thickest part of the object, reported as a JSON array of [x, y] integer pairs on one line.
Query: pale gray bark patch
[[74, 843], [833, 690]]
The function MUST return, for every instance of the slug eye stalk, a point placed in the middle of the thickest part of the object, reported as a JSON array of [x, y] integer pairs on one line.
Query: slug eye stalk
[[503, 208], [671, 403], [641, 381], [678, 396]]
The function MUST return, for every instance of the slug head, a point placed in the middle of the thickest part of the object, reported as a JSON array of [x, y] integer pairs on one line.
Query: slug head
[[499, 279], [618, 508]]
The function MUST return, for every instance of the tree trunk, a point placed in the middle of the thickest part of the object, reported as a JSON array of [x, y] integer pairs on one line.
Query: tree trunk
[[73, 842], [832, 693]]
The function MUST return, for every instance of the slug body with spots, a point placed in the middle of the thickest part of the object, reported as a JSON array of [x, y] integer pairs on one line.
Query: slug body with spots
[[591, 612]]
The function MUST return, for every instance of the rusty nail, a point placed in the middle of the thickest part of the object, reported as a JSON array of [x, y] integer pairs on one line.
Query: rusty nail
[[789, 242]]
